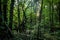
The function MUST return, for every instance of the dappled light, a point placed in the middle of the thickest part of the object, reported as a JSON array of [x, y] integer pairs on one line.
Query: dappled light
[[29, 20]]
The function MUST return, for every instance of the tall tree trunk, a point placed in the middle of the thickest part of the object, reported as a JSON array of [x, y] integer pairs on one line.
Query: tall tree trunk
[[19, 27], [5, 13], [0, 19], [39, 19], [52, 12], [11, 17], [0, 13], [51, 9], [58, 10], [5, 10], [24, 19], [11, 14]]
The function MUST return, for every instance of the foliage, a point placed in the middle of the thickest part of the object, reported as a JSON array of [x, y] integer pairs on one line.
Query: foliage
[[30, 20]]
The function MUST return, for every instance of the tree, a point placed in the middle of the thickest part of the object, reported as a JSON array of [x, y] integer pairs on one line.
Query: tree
[[0, 13], [19, 26], [0, 18], [11, 18], [39, 36], [58, 10], [11, 14]]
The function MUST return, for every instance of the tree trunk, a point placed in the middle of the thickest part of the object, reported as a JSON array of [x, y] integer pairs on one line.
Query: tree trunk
[[11, 14], [24, 19], [58, 10], [5, 10], [39, 34], [11, 17], [0, 13], [19, 27]]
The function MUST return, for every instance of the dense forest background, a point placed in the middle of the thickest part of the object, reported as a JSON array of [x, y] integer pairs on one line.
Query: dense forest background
[[29, 20]]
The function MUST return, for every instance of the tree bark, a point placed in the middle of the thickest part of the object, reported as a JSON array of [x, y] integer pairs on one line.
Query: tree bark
[[19, 27], [11, 14], [11, 17], [0, 13], [39, 34]]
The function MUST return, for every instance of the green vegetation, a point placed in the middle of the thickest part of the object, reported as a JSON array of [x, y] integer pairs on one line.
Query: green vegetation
[[29, 20]]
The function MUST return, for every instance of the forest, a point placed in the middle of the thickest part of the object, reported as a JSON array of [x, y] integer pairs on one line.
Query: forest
[[29, 20]]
